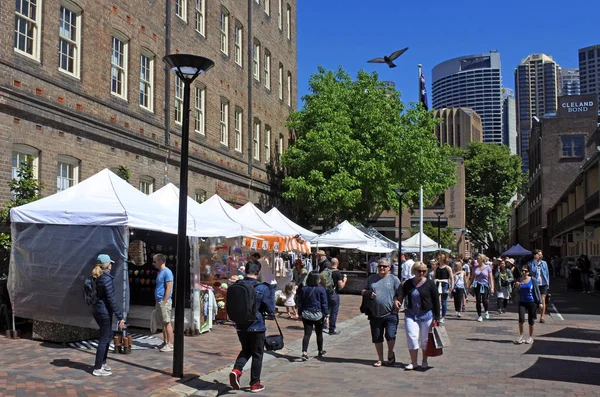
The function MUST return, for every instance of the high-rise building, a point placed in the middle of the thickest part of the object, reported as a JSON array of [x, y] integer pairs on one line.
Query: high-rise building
[[536, 85], [475, 82], [589, 70], [569, 82], [459, 127], [98, 94], [509, 119]]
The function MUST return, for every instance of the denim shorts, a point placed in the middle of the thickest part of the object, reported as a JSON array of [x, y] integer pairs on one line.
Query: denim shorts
[[387, 325], [543, 289]]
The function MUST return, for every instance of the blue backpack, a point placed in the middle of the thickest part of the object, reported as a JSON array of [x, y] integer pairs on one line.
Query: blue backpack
[[90, 291]]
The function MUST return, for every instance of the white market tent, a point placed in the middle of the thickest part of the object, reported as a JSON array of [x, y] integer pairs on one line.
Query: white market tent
[[216, 205], [284, 224], [55, 242], [412, 244], [249, 213], [208, 223], [347, 236]]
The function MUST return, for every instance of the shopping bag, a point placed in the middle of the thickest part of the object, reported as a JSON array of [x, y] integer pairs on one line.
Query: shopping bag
[[440, 337], [430, 349]]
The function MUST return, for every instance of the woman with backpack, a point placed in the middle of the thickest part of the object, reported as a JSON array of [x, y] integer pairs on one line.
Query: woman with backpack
[[103, 310], [312, 307]]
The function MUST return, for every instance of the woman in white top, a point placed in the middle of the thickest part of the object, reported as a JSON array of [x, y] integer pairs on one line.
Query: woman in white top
[[459, 287]]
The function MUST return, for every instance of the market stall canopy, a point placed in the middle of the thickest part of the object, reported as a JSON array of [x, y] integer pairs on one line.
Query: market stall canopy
[[219, 207], [412, 244], [208, 223], [516, 250], [277, 243], [256, 217], [384, 241], [347, 236], [284, 224], [103, 199]]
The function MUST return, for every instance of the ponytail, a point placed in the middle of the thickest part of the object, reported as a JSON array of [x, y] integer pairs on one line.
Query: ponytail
[[99, 269]]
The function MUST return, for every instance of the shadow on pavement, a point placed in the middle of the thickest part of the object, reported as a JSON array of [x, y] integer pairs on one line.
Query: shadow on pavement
[[573, 302], [575, 333], [368, 363], [570, 371], [557, 348], [65, 362], [490, 340], [287, 357], [205, 386]]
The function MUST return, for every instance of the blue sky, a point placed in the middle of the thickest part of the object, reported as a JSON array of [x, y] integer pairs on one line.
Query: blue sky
[[347, 33]]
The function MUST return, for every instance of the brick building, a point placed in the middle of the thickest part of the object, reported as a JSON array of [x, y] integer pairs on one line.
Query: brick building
[[459, 127], [84, 87]]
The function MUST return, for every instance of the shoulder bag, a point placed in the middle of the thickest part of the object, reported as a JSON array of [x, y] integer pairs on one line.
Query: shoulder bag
[[312, 315], [274, 342]]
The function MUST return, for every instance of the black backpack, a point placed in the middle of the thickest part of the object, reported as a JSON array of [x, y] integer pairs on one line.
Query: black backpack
[[241, 303], [90, 292]]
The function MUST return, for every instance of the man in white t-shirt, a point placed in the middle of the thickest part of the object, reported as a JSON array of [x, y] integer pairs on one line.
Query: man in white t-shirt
[[406, 272]]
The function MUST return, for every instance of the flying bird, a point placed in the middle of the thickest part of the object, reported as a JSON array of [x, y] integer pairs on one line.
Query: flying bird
[[389, 60]]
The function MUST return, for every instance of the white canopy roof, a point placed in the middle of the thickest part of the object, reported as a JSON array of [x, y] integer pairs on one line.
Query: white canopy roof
[[216, 205], [259, 220], [412, 244], [347, 236], [284, 225], [207, 223], [103, 199]]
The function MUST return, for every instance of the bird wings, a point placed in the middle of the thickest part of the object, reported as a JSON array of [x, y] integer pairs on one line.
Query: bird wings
[[376, 60], [396, 54]]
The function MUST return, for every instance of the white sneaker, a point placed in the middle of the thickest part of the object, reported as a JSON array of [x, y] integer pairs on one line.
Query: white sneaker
[[520, 340], [167, 348], [458, 314], [101, 372], [487, 315], [106, 368], [479, 319], [409, 367], [529, 340], [442, 321]]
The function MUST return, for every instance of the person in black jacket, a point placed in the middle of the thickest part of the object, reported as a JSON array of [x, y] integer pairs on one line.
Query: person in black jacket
[[312, 307], [103, 311], [422, 312]]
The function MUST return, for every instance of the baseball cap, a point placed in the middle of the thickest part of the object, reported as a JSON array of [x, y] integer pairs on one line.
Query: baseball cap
[[104, 258]]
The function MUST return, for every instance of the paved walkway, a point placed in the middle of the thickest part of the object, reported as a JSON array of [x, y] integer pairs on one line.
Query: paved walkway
[[564, 360]]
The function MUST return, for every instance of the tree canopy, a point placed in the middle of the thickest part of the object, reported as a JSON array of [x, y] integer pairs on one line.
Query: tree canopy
[[355, 142]]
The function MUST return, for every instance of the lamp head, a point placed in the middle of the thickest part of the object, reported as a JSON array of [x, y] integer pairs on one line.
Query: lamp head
[[188, 66], [438, 213], [400, 191]]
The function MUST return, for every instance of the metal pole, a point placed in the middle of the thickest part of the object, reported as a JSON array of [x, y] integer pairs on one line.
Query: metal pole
[[400, 229], [439, 235], [181, 269]]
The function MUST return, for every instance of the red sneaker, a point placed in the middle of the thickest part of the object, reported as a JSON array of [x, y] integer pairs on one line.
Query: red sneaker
[[234, 379], [257, 387]]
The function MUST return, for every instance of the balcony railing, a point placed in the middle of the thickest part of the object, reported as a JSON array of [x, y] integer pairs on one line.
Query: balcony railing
[[571, 221], [592, 203]]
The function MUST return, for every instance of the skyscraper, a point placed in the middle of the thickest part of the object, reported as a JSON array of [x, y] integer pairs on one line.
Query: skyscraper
[[589, 70], [536, 85], [472, 81], [569, 82], [509, 119]]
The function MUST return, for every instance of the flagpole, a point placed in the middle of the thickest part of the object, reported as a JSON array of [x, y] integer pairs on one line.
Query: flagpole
[[421, 223]]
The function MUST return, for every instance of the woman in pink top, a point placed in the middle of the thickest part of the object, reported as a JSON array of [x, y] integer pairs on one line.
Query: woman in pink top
[[482, 284]]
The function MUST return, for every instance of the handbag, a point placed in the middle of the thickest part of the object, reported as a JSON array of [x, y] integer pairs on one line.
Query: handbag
[[311, 315], [440, 337], [430, 349], [274, 342]]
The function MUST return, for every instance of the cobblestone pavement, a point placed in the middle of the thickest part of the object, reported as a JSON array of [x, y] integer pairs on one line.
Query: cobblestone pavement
[[563, 360]]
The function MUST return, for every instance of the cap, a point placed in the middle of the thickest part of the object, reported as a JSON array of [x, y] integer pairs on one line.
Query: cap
[[321, 252], [104, 258]]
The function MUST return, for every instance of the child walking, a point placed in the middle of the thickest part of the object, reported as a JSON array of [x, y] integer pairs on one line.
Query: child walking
[[289, 293]]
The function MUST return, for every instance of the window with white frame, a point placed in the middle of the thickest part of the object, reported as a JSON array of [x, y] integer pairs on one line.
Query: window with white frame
[[280, 81], [181, 9], [256, 59], [224, 29], [67, 173], [238, 40], [199, 106], [267, 6], [118, 61], [267, 69], [289, 88], [178, 100], [280, 14], [20, 155], [267, 144], [146, 184], [239, 120], [147, 80], [28, 18], [200, 21], [288, 18], [224, 122], [280, 146], [69, 42], [256, 140]]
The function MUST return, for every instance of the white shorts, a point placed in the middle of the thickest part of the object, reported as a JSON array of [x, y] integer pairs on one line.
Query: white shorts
[[415, 331]]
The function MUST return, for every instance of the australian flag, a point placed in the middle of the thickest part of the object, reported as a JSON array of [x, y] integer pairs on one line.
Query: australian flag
[[423, 91]]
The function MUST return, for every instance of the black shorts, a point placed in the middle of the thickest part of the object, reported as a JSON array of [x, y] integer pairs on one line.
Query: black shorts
[[387, 325]]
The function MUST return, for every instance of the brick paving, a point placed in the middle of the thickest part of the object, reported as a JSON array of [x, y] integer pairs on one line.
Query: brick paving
[[564, 360]]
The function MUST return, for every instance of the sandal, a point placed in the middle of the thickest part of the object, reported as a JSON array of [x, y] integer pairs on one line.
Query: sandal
[[377, 364], [391, 360]]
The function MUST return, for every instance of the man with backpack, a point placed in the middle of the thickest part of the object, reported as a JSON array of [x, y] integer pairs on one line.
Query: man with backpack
[[248, 301], [338, 282]]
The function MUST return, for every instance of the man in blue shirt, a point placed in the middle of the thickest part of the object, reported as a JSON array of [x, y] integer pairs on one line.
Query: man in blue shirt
[[163, 294], [539, 272], [252, 336]]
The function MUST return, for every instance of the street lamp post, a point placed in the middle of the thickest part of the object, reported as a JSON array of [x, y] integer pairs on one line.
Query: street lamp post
[[400, 193], [439, 215], [187, 67]]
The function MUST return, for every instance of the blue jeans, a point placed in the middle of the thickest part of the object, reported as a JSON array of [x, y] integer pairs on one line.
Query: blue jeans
[[444, 295], [333, 300], [387, 324], [104, 321], [586, 282]]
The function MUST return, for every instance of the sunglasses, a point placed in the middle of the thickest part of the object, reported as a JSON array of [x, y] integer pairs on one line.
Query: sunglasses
[[524, 271], [382, 266], [422, 271]]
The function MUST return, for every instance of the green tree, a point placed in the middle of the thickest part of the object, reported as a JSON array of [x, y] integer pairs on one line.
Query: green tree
[[493, 177], [355, 143], [25, 188], [123, 172], [447, 238]]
